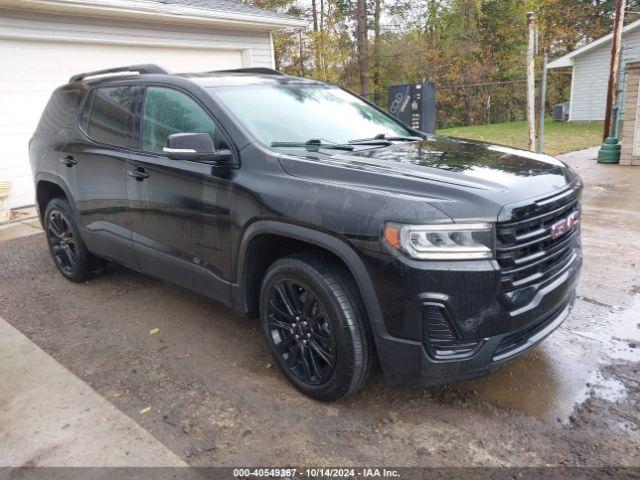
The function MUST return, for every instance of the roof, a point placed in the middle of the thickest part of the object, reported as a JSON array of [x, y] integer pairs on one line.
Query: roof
[[567, 60], [225, 13], [228, 6]]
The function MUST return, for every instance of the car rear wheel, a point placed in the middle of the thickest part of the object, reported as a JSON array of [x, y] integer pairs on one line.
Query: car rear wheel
[[314, 324], [68, 251]]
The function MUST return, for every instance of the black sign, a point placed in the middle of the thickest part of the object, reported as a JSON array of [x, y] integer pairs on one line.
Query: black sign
[[415, 105]]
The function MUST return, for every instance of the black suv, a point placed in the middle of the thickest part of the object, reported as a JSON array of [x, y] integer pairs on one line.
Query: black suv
[[356, 239]]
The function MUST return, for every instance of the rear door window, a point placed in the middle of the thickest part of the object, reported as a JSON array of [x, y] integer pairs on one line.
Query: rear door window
[[113, 117], [167, 111]]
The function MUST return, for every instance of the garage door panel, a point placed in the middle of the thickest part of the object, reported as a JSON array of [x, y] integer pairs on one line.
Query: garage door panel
[[32, 69], [59, 60]]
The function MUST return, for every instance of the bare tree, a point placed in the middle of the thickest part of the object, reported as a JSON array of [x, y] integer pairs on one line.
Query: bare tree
[[376, 51], [314, 14], [300, 32], [361, 44]]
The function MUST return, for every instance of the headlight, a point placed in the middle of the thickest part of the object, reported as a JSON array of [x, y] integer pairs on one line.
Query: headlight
[[461, 241]]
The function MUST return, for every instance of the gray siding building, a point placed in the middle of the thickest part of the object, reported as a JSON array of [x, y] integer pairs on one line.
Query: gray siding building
[[590, 77]]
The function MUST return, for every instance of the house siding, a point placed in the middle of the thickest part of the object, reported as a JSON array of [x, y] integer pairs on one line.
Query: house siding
[[64, 27], [591, 78], [630, 128], [26, 88]]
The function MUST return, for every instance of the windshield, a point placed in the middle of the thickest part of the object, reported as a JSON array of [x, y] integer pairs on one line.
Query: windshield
[[299, 112]]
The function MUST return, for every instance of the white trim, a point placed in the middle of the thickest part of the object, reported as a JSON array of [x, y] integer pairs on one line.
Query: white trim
[[273, 51], [568, 60], [144, 43], [151, 10], [573, 79]]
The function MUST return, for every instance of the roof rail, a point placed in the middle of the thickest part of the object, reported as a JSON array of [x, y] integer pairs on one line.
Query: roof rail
[[149, 68], [259, 70]]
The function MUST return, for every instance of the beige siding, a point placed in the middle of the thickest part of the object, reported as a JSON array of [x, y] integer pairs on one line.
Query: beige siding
[[591, 76], [629, 126]]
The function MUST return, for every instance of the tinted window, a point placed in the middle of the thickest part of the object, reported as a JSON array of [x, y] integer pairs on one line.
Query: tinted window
[[168, 111], [113, 116]]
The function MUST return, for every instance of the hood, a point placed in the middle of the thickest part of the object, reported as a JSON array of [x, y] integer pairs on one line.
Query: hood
[[465, 179]]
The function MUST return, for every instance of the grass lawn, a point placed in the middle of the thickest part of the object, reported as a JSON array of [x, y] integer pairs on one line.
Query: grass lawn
[[559, 137]]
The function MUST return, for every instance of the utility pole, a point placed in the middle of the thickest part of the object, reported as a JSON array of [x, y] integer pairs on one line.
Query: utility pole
[[531, 81], [543, 103], [615, 65], [610, 149]]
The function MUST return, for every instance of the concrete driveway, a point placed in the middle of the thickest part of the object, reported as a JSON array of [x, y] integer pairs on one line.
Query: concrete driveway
[[205, 387]]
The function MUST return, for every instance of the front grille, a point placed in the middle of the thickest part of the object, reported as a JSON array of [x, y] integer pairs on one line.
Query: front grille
[[440, 340], [528, 256]]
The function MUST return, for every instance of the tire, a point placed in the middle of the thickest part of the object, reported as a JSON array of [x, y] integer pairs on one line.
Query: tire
[[332, 335], [67, 249]]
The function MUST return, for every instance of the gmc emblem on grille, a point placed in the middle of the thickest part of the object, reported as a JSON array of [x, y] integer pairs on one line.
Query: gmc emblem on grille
[[565, 225]]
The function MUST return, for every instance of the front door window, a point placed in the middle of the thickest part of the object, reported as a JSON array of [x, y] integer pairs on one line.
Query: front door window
[[168, 111]]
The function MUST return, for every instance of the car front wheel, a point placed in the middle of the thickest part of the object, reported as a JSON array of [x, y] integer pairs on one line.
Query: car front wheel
[[315, 326]]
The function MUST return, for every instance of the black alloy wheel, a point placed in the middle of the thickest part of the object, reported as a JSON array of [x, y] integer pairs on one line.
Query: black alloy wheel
[[301, 332], [62, 241], [316, 326], [67, 248]]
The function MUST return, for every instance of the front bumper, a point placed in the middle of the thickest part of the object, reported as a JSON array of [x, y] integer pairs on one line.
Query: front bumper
[[408, 364], [472, 302]]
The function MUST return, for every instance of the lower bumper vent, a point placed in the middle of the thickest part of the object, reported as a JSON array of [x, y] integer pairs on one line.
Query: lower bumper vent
[[440, 340], [513, 342]]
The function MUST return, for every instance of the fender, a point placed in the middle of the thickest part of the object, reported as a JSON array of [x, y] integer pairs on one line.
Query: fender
[[320, 239], [60, 182]]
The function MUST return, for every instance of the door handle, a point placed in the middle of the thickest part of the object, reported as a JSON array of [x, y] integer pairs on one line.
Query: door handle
[[68, 161], [139, 174]]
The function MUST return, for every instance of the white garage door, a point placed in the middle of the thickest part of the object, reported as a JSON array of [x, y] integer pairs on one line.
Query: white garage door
[[32, 69]]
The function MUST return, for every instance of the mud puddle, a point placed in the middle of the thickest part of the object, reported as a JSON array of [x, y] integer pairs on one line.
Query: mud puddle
[[567, 368]]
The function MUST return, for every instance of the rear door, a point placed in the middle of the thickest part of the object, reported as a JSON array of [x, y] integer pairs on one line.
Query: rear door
[[180, 209], [95, 168]]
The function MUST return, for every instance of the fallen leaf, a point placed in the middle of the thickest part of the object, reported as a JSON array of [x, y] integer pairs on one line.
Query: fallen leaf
[[153, 331], [145, 410]]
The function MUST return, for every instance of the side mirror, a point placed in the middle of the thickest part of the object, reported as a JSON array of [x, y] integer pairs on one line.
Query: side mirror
[[195, 147]]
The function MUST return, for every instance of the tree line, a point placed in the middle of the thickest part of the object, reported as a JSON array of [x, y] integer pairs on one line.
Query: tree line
[[473, 50]]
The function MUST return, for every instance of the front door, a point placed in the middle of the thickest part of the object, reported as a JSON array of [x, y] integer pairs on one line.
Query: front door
[[179, 209]]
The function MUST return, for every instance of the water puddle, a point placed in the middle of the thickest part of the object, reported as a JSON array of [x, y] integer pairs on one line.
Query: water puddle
[[565, 370]]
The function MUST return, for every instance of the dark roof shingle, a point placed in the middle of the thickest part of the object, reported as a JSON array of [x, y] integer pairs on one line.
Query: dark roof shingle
[[228, 6]]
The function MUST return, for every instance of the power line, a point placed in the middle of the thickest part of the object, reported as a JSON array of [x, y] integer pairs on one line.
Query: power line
[[483, 84]]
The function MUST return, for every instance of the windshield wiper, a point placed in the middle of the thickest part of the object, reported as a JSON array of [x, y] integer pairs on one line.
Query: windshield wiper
[[383, 139], [313, 143]]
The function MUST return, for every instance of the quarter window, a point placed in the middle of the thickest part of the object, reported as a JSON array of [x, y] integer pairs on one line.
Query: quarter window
[[167, 111], [112, 118]]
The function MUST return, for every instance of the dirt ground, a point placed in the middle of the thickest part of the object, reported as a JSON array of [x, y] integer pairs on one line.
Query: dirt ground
[[215, 397]]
